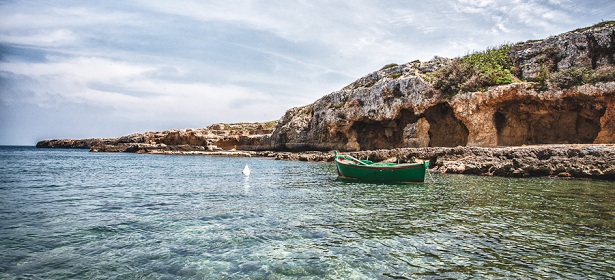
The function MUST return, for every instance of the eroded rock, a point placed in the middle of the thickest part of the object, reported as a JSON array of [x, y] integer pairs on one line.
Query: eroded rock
[[398, 106]]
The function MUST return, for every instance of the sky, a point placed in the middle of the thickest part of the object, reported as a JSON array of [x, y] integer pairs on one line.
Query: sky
[[93, 69]]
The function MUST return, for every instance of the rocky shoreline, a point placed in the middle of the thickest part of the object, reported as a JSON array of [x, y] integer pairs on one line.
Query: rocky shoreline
[[593, 161]]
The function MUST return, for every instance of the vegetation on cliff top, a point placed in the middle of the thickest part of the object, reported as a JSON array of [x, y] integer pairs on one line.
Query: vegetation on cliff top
[[494, 66], [476, 71], [499, 66], [576, 76]]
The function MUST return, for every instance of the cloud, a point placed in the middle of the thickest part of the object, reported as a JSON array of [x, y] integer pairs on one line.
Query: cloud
[[84, 80], [346, 29], [55, 38], [50, 15], [522, 14]]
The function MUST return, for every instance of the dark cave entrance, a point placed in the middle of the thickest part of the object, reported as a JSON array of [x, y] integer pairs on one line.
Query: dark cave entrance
[[565, 121], [446, 130], [385, 134]]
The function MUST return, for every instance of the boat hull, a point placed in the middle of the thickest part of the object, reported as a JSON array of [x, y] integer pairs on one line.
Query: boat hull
[[414, 172]]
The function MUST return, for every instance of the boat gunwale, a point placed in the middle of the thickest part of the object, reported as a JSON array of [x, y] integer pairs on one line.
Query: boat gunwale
[[355, 163], [380, 167]]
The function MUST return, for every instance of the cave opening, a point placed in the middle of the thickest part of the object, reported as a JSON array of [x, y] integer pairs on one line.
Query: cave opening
[[446, 130], [566, 121], [385, 134]]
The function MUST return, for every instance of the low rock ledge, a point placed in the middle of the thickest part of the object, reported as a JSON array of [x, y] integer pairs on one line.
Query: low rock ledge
[[593, 161]]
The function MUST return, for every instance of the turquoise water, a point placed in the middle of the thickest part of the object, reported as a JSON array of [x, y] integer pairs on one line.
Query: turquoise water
[[74, 214]]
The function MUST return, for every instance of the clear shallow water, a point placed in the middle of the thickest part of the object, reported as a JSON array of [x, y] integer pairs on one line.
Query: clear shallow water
[[74, 214]]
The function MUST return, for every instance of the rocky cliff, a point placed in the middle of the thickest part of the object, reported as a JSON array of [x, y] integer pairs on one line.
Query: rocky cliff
[[213, 138], [557, 90]]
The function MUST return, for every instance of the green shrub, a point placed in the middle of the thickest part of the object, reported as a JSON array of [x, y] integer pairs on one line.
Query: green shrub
[[604, 74], [542, 78], [448, 79], [477, 71], [570, 77], [394, 75]]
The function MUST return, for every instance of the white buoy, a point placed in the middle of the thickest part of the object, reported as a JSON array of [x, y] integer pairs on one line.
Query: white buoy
[[246, 170]]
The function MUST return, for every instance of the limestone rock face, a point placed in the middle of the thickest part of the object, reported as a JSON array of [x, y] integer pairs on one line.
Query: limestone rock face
[[589, 48], [398, 107], [509, 115], [378, 111], [214, 137]]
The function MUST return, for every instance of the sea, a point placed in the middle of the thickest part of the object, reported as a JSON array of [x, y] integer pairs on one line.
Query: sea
[[72, 214]]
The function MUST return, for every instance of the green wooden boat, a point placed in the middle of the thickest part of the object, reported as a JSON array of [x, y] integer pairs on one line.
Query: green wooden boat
[[366, 170]]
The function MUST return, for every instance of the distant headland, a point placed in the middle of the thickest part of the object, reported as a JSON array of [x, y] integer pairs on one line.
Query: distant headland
[[490, 112]]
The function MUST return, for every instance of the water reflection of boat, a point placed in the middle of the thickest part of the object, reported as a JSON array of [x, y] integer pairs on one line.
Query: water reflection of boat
[[366, 170]]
